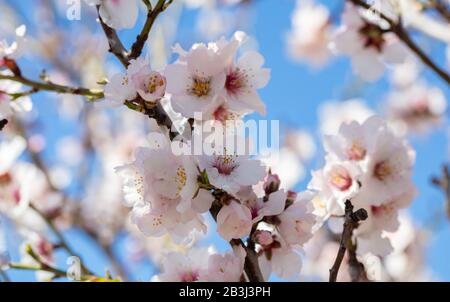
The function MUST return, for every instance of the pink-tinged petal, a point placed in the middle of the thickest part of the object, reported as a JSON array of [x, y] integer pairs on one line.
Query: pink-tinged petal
[[177, 77], [346, 41], [276, 203], [248, 101], [368, 65], [395, 53], [234, 221], [286, 263], [203, 201]]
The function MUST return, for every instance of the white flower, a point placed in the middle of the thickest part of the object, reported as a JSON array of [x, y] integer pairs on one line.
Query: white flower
[[371, 166], [161, 187], [270, 205], [354, 140], [203, 265], [231, 172], [138, 79], [187, 267], [195, 80], [388, 169], [310, 34], [225, 268], [234, 221], [369, 46], [207, 75], [417, 108], [279, 258], [118, 14], [16, 48], [297, 221], [336, 182], [385, 217], [244, 77], [333, 114], [120, 89]]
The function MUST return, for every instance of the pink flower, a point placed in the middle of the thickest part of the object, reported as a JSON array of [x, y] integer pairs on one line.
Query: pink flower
[[118, 14], [234, 221]]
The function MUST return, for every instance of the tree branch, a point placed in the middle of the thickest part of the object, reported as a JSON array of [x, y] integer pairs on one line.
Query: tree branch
[[62, 242], [397, 28], [443, 182], [92, 94], [3, 123], [115, 45], [152, 14], [58, 273], [441, 8], [351, 221]]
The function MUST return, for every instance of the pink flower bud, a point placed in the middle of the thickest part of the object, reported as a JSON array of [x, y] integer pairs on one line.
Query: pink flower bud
[[271, 183]]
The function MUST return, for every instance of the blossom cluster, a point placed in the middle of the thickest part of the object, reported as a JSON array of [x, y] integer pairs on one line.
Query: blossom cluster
[[139, 171], [371, 166], [169, 193]]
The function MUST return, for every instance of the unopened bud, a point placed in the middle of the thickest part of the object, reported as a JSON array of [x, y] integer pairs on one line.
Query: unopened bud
[[271, 183], [291, 197]]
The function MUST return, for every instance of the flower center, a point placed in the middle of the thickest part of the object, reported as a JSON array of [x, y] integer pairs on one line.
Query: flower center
[[356, 151], [373, 35], [200, 87], [155, 82], [236, 80], [222, 115], [189, 277], [225, 164], [382, 170], [384, 209], [341, 180], [181, 178]]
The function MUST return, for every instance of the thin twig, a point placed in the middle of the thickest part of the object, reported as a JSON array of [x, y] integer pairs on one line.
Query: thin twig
[[351, 221], [152, 14], [356, 268], [58, 273], [397, 28], [115, 45], [62, 242], [35, 157], [93, 94], [443, 182], [441, 8]]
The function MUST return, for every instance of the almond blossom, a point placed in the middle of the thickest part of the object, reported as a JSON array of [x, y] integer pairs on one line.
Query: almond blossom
[[417, 108], [156, 185], [367, 43], [139, 79], [371, 166], [230, 171], [118, 14], [196, 80], [206, 72], [310, 34], [202, 265]]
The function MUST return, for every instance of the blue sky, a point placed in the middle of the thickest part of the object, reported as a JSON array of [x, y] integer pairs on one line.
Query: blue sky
[[293, 97]]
